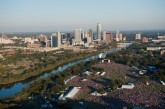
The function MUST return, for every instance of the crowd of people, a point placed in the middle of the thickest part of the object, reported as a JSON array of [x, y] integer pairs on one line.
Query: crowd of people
[[114, 70], [140, 95]]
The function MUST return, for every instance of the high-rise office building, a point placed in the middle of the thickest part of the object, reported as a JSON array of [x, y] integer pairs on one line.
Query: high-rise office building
[[119, 37], [91, 33], [59, 39], [86, 34], [82, 34], [99, 31], [77, 35], [89, 40], [104, 35], [69, 38], [107, 36], [68, 35], [138, 36], [56, 40]]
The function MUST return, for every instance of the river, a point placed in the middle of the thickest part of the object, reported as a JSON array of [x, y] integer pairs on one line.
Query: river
[[14, 88], [11, 89]]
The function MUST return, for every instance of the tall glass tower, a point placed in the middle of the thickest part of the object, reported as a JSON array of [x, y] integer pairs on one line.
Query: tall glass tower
[[77, 35], [56, 40], [99, 31]]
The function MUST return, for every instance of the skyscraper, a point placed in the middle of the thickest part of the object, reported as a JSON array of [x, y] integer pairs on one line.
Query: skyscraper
[[99, 31], [56, 40], [59, 39], [104, 35], [89, 40], [86, 34], [82, 34], [77, 35], [91, 33]]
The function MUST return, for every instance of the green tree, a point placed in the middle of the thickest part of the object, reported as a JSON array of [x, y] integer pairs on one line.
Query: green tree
[[101, 91], [60, 81]]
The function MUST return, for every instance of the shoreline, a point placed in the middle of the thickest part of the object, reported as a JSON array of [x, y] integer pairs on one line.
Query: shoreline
[[45, 71]]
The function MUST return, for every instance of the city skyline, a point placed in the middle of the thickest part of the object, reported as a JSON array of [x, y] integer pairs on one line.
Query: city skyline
[[54, 15]]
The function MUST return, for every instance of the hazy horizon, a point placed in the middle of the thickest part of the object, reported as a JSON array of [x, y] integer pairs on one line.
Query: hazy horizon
[[55, 15]]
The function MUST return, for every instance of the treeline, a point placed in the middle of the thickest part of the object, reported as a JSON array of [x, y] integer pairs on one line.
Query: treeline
[[47, 62], [49, 87], [136, 55]]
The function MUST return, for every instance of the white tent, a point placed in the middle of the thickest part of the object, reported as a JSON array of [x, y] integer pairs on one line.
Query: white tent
[[85, 80], [87, 73], [129, 86], [61, 97], [72, 92], [103, 74], [162, 82], [97, 73], [141, 73]]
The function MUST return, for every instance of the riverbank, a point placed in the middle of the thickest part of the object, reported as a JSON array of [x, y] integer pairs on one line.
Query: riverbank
[[48, 87], [23, 77]]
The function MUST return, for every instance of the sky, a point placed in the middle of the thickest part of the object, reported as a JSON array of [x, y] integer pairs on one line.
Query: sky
[[67, 15]]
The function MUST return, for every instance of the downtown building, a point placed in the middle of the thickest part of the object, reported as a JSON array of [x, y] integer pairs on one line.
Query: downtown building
[[119, 37], [91, 34], [48, 43], [42, 38], [56, 40], [99, 32], [77, 37], [138, 36], [107, 36], [86, 34], [144, 39], [5, 40], [161, 37], [89, 40]]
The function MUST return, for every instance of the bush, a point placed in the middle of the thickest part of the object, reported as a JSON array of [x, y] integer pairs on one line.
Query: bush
[[118, 82], [56, 89], [112, 84], [60, 81], [101, 91]]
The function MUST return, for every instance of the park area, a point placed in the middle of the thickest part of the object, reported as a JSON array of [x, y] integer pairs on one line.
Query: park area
[[141, 96]]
